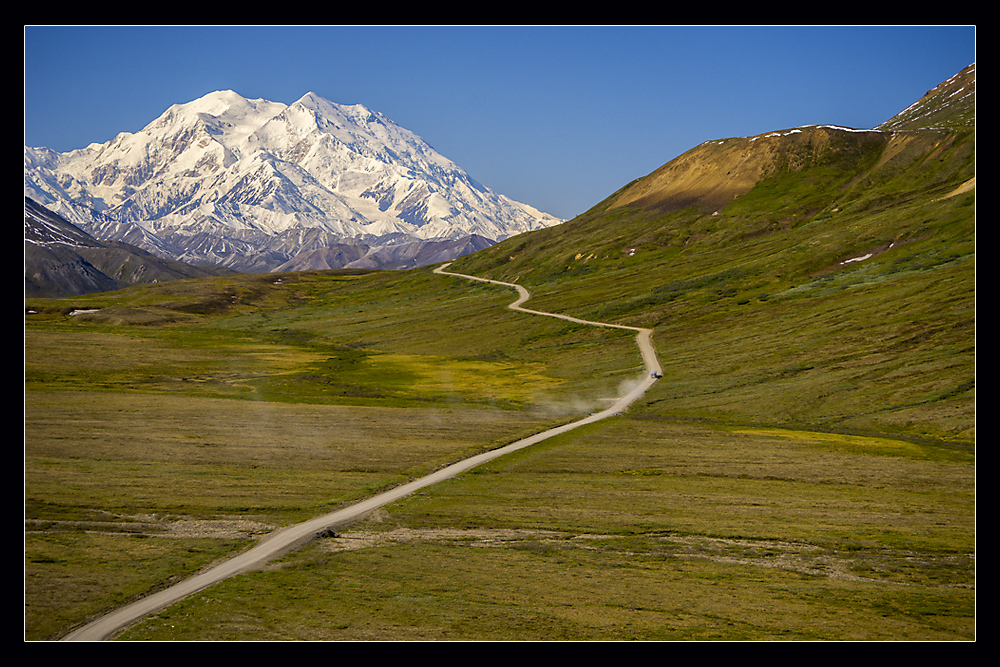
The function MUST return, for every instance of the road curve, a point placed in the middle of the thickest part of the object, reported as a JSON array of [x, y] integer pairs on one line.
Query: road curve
[[643, 339], [292, 537]]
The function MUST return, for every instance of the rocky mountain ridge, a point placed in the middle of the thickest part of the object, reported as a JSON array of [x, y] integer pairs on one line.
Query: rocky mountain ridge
[[60, 259]]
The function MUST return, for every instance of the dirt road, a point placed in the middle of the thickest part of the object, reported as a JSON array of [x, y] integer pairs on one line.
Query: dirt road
[[292, 537], [643, 339]]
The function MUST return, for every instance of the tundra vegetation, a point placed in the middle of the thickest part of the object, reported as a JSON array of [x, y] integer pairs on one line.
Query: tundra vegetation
[[804, 470]]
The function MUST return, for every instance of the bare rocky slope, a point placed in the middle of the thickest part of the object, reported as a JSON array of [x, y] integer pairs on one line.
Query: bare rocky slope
[[61, 260]]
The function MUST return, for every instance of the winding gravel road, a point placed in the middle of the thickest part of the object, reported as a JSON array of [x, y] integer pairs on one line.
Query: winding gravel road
[[292, 537], [644, 337]]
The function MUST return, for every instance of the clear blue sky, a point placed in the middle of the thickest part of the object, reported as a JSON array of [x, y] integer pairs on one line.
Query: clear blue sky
[[556, 117]]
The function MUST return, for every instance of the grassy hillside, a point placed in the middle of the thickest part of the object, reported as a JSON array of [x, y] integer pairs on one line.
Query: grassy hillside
[[837, 293]]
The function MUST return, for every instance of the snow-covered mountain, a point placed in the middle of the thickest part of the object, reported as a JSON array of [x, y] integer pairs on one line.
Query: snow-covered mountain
[[250, 184]]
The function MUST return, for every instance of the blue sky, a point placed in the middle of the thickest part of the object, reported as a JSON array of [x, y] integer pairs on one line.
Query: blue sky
[[556, 117]]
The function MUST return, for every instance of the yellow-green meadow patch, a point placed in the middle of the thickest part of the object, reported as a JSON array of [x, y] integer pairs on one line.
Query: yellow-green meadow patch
[[477, 381], [861, 444]]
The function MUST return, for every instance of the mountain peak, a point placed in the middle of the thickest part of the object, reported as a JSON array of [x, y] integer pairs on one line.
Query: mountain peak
[[312, 99], [353, 114]]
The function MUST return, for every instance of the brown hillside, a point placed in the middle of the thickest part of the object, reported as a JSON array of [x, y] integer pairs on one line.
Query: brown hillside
[[714, 173]]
